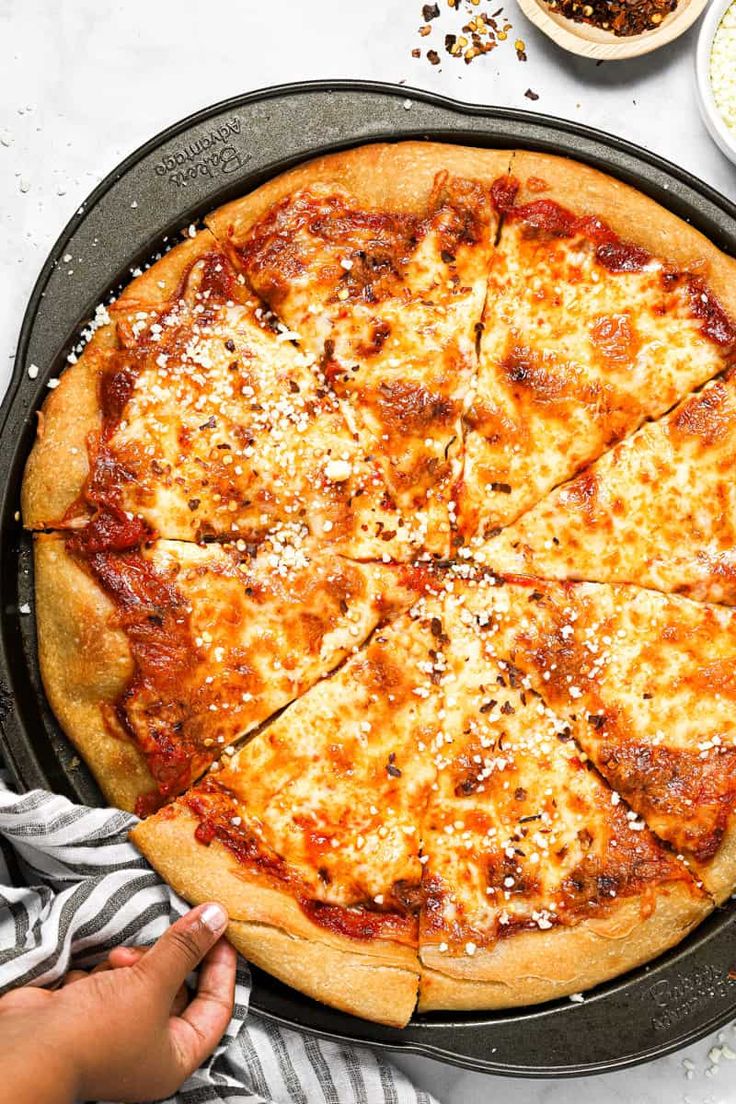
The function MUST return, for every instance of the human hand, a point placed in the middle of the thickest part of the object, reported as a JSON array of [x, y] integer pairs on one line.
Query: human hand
[[127, 1030]]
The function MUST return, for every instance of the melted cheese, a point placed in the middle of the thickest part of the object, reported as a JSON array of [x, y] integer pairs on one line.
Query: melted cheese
[[391, 306], [573, 358], [336, 785], [222, 641], [648, 684], [659, 509], [230, 430]]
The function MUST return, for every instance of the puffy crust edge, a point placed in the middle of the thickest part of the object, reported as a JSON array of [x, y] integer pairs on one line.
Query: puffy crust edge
[[536, 966], [85, 665], [58, 465], [376, 980], [394, 176], [719, 875], [630, 213]]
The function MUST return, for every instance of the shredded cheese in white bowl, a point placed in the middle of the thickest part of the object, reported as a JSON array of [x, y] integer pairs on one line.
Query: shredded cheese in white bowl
[[716, 74], [723, 67]]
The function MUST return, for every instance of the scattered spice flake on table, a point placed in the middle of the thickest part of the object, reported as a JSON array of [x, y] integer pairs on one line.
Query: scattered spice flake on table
[[621, 17], [478, 34]]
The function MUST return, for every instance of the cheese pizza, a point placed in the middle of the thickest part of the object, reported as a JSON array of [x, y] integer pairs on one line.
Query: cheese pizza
[[384, 550]]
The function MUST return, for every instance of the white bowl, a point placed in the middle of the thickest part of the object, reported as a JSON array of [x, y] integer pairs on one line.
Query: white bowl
[[721, 134]]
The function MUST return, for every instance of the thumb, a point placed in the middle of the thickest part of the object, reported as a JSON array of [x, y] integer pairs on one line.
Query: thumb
[[183, 946]]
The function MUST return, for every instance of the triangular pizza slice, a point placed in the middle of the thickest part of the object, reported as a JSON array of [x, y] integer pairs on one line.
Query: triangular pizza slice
[[605, 310], [157, 658], [197, 418], [389, 298], [659, 509], [647, 682], [537, 882], [309, 835]]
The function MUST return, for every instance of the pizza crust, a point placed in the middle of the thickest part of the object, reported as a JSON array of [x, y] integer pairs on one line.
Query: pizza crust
[[395, 177], [630, 214], [719, 875], [58, 466], [376, 980], [85, 666], [536, 966]]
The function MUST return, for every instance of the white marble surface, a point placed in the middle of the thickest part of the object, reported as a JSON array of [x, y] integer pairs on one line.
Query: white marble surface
[[83, 83]]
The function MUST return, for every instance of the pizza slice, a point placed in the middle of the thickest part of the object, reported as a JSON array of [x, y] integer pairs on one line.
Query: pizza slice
[[195, 418], [538, 882], [647, 682], [388, 296], [309, 834], [659, 509], [606, 311], [157, 658]]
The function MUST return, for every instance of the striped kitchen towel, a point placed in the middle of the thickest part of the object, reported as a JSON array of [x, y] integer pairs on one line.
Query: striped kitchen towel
[[72, 887]]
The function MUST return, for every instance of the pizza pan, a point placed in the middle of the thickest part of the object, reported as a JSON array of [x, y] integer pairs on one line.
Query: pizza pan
[[167, 184]]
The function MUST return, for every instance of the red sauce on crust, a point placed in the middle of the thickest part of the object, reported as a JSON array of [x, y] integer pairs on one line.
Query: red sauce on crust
[[716, 324], [357, 922], [503, 193], [153, 616]]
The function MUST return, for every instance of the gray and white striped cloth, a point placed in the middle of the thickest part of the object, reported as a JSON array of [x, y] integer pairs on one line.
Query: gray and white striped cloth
[[72, 887]]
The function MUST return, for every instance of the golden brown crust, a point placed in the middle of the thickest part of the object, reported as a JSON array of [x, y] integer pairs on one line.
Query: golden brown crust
[[377, 979], [350, 982], [394, 177], [719, 875], [85, 665], [535, 966], [59, 462], [631, 214]]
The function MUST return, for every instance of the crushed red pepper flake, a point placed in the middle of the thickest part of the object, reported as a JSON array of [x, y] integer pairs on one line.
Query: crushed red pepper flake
[[479, 34], [621, 17]]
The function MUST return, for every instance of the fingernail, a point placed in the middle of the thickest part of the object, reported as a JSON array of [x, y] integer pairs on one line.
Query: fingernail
[[214, 917]]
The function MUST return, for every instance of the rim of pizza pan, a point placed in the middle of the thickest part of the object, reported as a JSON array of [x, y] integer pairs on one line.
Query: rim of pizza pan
[[169, 182]]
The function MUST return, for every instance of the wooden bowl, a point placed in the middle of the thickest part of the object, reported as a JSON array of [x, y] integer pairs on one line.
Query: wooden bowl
[[592, 42]]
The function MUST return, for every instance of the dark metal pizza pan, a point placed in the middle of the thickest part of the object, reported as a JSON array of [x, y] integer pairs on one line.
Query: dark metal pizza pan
[[175, 178]]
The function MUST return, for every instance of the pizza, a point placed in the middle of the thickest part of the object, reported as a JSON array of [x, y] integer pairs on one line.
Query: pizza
[[384, 553]]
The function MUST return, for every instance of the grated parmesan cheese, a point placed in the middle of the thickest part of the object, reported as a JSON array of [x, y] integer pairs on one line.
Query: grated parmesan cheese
[[723, 67]]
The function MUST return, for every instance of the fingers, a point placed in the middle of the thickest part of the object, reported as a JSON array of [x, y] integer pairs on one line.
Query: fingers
[[196, 1033], [182, 948], [118, 957], [125, 956]]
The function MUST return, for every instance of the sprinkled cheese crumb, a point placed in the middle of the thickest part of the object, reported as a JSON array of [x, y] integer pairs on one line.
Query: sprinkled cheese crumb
[[337, 471], [25, 608], [33, 371], [53, 384], [470, 949], [723, 67], [577, 998]]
